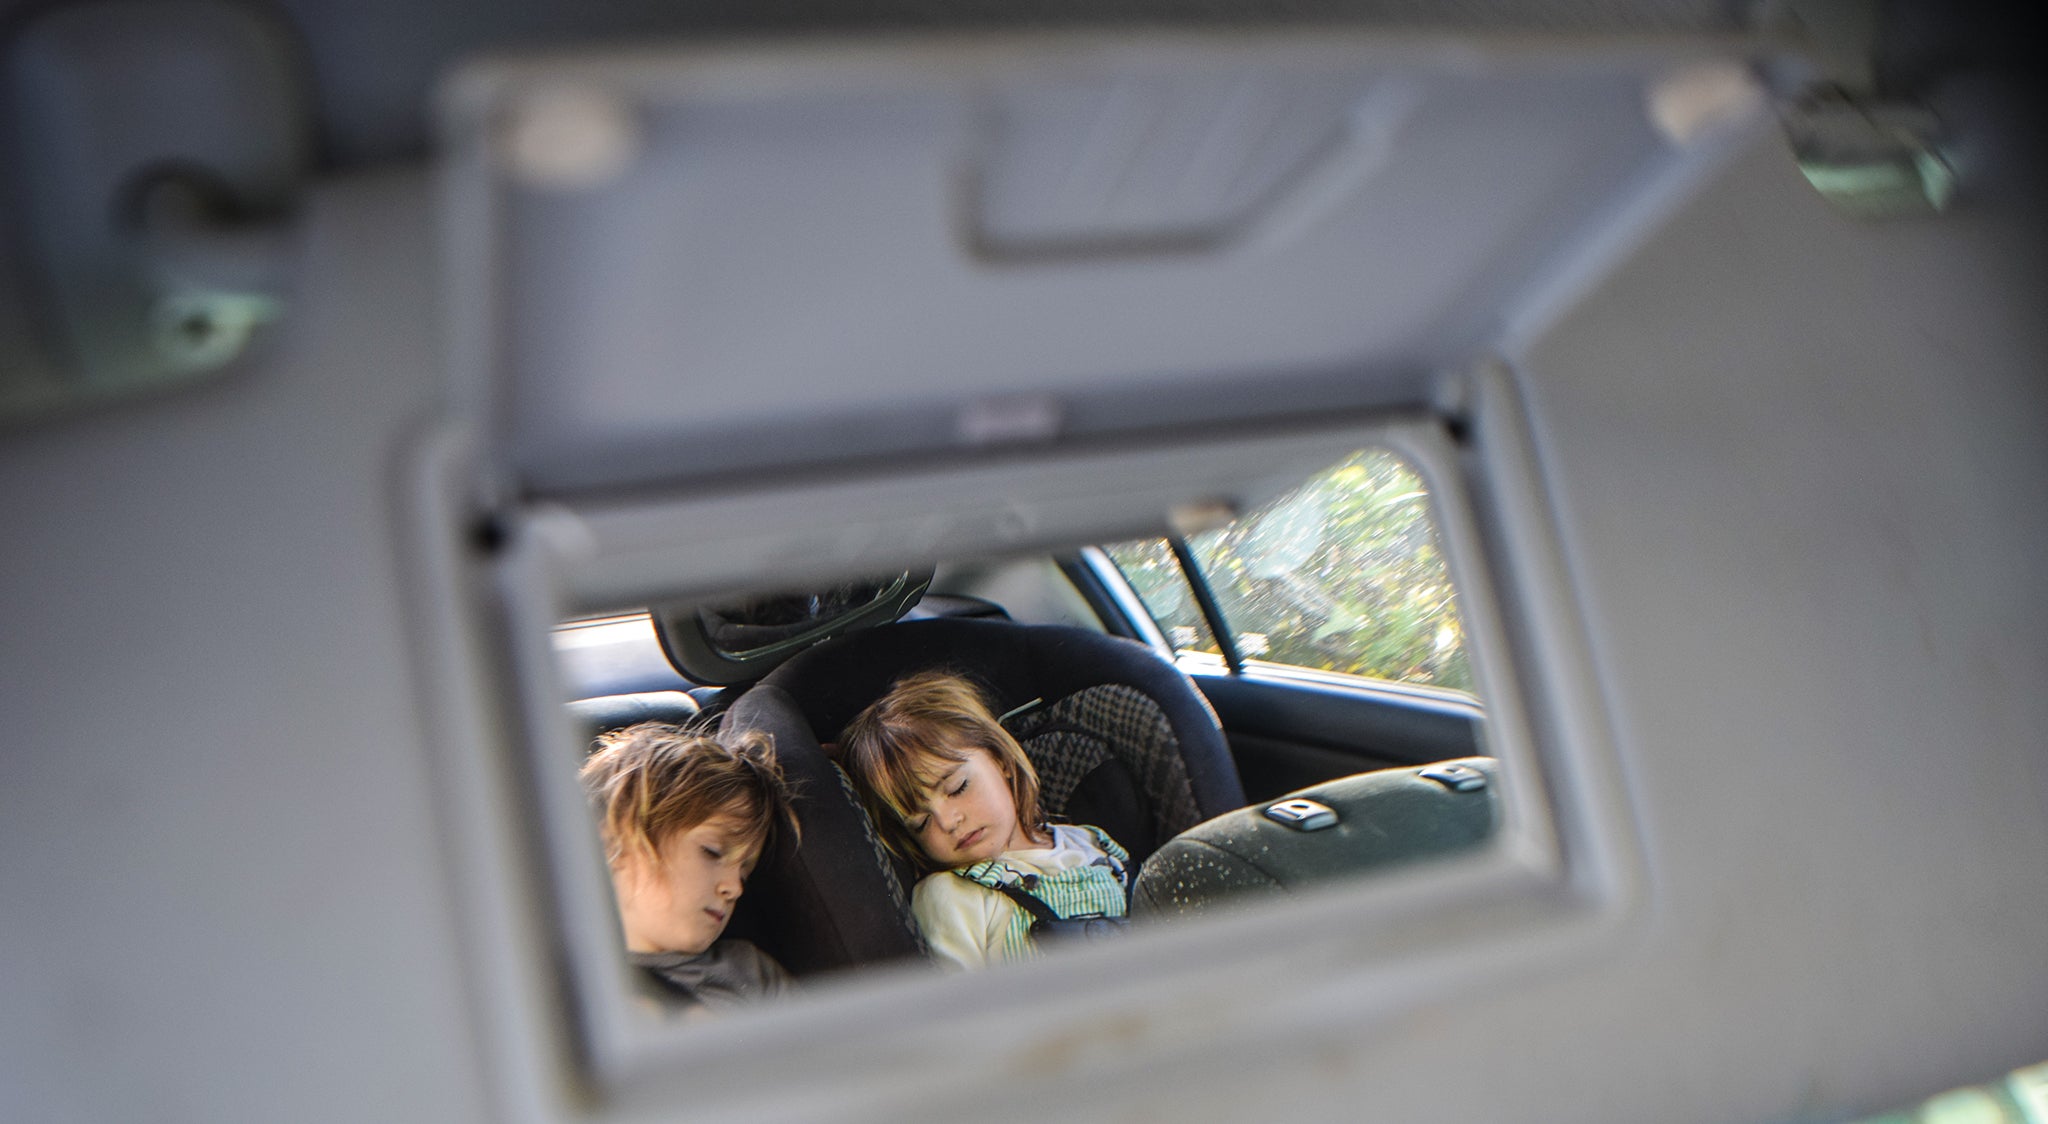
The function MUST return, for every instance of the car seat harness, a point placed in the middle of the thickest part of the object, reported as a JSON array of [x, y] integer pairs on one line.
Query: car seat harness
[[1046, 923]]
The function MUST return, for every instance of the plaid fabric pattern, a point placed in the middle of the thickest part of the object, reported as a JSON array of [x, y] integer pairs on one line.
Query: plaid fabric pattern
[[1073, 735], [887, 865], [1062, 757]]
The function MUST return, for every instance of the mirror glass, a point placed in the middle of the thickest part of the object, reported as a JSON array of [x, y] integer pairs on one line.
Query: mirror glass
[[1300, 707]]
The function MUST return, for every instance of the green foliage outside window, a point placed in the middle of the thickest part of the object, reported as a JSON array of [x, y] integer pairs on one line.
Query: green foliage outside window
[[1343, 574]]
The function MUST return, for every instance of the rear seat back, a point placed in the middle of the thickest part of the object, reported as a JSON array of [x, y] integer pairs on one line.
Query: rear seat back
[[616, 712], [1379, 819]]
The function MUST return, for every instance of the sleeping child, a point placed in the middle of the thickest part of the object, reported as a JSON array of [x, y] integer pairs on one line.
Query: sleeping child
[[684, 818], [954, 794]]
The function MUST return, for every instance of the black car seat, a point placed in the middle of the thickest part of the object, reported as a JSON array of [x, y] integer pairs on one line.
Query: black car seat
[[1120, 738]]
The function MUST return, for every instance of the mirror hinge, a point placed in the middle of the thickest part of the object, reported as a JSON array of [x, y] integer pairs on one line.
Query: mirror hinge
[[160, 150], [1873, 153]]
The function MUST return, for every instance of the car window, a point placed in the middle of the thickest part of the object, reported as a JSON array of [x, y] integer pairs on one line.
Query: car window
[[1155, 575], [1343, 574]]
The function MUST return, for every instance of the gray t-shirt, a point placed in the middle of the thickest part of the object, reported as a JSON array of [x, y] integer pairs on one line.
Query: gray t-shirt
[[729, 974]]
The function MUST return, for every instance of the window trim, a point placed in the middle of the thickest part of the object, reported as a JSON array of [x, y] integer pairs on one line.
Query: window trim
[[1449, 699], [1115, 603], [1192, 573]]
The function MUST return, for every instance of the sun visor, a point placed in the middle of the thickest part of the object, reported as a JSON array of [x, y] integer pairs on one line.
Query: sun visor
[[709, 262]]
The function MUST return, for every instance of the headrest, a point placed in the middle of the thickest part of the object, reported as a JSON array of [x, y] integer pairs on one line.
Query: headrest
[[1025, 667], [1376, 819], [1017, 663]]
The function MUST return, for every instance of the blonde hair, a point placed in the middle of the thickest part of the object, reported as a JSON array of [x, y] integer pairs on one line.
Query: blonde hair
[[649, 781], [929, 715]]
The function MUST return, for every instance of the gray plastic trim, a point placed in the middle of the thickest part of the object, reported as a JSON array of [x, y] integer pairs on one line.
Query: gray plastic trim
[[705, 264], [1556, 882]]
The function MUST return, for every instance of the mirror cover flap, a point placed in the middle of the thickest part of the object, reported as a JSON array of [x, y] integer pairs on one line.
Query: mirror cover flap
[[716, 261]]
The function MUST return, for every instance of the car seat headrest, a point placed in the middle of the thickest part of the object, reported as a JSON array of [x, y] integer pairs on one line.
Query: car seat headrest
[[1365, 822], [1061, 681]]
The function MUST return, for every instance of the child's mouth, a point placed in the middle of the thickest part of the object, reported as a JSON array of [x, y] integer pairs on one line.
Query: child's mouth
[[716, 915], [971, 838]]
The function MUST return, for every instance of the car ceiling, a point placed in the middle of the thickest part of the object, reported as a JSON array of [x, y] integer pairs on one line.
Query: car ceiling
[[1489, 178]]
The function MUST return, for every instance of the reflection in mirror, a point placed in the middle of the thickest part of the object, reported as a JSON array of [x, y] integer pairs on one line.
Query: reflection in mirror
[[1054, 783], [1345, 686], [1343, 574], [684, 814]]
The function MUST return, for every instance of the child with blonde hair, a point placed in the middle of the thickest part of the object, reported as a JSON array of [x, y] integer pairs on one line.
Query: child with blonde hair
[[684, 818], [953, 793]]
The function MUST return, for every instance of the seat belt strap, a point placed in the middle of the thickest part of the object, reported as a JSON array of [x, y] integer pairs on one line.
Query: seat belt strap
[[1029, 903]]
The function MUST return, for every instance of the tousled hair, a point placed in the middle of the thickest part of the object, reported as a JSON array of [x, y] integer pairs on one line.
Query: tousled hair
[[923, 716], [649, 781]]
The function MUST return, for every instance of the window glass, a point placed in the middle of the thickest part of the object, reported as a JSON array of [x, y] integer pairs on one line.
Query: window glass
[[1154, 574], [1342, 574]]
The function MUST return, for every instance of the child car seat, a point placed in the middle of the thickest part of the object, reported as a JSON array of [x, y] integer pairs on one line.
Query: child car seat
[[1120, 738]]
